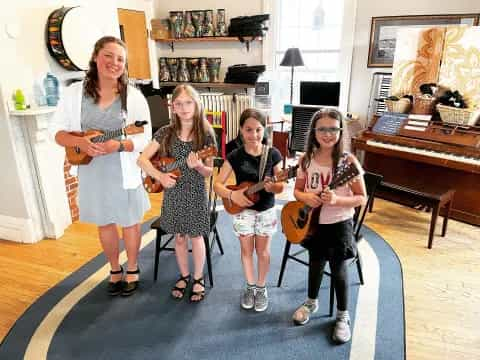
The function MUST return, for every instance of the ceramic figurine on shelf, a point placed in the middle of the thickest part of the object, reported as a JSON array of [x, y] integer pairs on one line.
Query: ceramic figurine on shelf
[[189, 29], [172, 68], [208, 29], [164, 74], [214, 69], [221, 29], [19, 99], [176, 23], [203, 70], [182, 73], [193, 69], [197, 20]]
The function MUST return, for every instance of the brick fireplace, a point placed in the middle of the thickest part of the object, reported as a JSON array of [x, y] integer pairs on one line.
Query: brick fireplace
[[71, 187]]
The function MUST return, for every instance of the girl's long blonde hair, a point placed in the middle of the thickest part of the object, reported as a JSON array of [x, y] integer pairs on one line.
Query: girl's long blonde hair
[[313, 145], [201, 127]]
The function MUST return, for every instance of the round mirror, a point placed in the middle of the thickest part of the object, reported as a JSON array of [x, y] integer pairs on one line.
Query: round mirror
[[71, 36]]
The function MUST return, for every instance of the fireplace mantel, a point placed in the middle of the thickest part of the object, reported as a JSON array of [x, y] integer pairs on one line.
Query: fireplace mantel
[[40, 161]]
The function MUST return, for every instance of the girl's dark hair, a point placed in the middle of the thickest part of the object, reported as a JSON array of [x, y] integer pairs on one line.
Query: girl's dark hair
[[257, 115], [311, 142], [253, 113], [91, 78], [201, 127]]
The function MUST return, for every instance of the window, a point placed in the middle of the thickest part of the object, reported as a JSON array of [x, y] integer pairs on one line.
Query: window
[[323, 31], [314, 26]]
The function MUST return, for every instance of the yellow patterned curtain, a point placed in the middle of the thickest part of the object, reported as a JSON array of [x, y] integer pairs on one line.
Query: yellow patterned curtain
[[418, 52], [460, 68]]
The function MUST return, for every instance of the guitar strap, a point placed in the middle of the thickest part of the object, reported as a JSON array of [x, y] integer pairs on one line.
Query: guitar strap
[[263, 162], [341, 165]]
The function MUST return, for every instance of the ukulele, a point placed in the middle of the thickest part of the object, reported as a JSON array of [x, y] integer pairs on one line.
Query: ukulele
[[75, 156], [296, 216], [171, 165], [251, 189]]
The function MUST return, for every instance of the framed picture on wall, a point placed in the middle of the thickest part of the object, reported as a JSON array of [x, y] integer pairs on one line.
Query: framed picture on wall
[[383, 32]]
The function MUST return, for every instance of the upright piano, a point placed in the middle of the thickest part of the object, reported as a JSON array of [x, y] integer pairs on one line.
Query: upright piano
[[439, 155]]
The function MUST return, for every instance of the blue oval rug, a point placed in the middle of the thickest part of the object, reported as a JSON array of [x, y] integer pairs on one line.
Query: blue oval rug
[[77, 319]]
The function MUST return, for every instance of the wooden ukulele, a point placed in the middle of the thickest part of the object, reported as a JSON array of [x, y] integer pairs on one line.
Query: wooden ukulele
[[251, 189], [171, 165], [75, 156], [296, 216]]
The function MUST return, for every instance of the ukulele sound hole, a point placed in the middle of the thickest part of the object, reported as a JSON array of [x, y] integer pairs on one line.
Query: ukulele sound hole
[[302, 218], [77, 150]]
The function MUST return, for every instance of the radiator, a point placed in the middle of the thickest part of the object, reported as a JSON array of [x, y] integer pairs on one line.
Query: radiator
[[381, 83], [301, 119], [233, 105]]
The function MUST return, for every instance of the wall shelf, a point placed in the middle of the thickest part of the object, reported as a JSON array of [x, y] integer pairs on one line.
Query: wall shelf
[[35, 111], [247, 40]]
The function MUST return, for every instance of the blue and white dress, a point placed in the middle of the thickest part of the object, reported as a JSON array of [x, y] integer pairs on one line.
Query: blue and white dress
[[102, 198]]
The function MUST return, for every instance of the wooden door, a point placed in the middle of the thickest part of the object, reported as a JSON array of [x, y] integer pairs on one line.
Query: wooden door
[[133, 31]]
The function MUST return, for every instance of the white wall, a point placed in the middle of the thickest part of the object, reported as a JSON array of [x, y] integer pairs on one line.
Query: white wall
[[26, 58], [230, 52], [366, 9]]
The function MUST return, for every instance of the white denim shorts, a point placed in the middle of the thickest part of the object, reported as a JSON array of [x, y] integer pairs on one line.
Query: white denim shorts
[[252, 222]]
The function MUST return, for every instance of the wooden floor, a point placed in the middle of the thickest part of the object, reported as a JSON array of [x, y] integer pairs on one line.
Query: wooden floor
[[442, 285]]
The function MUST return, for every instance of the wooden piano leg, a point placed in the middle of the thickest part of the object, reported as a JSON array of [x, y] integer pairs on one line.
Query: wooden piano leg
[[435, 211], [445, 219]]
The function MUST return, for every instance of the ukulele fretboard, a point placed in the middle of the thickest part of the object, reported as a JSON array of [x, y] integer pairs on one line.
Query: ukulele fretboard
[[107, 135]]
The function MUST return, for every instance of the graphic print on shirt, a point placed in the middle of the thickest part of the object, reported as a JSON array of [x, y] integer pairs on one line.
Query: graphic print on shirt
[[314, 180], [317, 179], [325, 180]]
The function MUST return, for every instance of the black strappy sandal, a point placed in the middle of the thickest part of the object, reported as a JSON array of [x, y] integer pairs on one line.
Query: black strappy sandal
[[186, 281], [115, 288], [129, 287], [200, 294]]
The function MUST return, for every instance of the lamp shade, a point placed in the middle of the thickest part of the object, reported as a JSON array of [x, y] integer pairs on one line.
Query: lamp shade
[[292, 57]]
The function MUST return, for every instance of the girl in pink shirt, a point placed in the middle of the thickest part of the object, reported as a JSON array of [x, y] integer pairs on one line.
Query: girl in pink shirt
[[331, 236]]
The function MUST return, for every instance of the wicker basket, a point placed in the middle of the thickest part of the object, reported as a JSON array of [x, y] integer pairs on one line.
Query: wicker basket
[[459, 116], [423, 105], [400, 106]]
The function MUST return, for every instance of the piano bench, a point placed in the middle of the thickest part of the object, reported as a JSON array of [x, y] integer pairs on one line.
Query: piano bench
[[433, 197]]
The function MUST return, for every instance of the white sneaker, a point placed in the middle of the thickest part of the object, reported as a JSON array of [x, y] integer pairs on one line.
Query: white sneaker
[[248, 297], [261, 299], [301, 316], [341, 332]]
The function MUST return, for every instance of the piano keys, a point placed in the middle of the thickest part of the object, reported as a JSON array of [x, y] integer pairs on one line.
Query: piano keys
[[439, 155]]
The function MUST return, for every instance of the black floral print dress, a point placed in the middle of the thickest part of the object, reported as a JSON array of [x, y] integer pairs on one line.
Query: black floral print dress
[[184, 208]]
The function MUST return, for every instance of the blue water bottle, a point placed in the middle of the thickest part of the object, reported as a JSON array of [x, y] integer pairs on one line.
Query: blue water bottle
[[51, 89]]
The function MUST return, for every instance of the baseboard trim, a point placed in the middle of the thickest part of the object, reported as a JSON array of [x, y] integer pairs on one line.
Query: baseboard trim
[[17, 229]]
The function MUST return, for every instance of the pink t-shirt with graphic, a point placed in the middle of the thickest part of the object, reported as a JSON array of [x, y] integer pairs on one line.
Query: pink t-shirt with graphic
[[316, 178]]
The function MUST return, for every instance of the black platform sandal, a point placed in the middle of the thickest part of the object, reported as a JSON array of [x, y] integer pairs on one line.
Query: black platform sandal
[[186, 281], [115, 288], [129, 287], [200, 294]]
